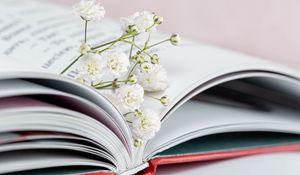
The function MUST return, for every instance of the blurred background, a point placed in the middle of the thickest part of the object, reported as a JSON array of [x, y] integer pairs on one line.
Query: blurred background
[[266, 28]]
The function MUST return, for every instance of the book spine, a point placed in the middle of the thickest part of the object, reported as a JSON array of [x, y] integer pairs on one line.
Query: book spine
[[137, 169], [131, 171]]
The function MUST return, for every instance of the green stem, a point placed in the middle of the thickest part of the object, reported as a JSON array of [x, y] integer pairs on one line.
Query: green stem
[[107, 48], [147, 42], [130, 54], [71, 64], [133, 67], [155, 98], [150, 27], [127, 113], [158, 43], [110, 82], [102, 45], [113, 41], [120, 81], [85, 30], [105, 86], [131, 48], [138, 47], [100, 51], [105, 44]]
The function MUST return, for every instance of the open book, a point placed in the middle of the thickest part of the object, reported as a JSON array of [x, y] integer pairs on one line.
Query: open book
[[224, 104]]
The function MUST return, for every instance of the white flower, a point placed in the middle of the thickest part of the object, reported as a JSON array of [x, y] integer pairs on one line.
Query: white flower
[[116, 62], [127, 98], [145, 126], [89, 10], [154, 79], [90, 68], [142, 20]]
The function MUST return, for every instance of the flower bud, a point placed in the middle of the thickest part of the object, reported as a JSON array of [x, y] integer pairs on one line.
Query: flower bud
[[146, 67], [165, 100], [134, 57], [132, 29], [115, 84], [84, 48], [132, 79], [174, 39], [155, 59], [158, 19], [138, 113], [138, 142], [140, 59]]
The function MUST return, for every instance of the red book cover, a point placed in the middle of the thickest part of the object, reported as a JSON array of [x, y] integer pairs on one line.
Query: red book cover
[[202, 157]]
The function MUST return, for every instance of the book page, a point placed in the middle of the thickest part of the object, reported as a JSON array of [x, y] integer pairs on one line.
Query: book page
[[199, 119], [47, 37], [44, 35], [39, 160]]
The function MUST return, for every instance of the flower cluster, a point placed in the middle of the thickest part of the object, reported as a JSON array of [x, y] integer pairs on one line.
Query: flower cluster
[[129, 77]]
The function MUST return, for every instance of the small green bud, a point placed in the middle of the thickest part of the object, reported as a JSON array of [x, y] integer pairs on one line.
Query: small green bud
[[132, 79], [132, 29], [138, 142], [146, 67], [158, 19], [165, 100], [134, 57], [84, 48], [155, 59], [174, 39], [138, 113], [115, 84], [140, 59]]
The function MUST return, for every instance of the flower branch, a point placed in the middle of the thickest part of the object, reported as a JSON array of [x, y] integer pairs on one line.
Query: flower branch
[[130, 77]]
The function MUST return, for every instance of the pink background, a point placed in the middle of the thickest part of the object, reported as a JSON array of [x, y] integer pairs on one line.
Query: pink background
[[265, 28]]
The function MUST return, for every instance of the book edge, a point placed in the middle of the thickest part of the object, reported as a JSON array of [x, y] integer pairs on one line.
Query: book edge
[[218, 155]]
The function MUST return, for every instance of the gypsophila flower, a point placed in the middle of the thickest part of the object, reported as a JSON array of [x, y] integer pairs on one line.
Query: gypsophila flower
[[127, 98], [89, 10], [144, 21], [117, 63], [155, 79], [174, 39], [91, 67], [106, 69], [84, 48], [145, 126]]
